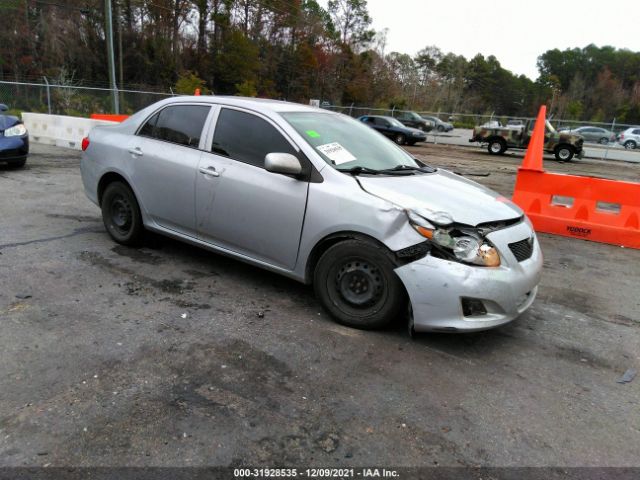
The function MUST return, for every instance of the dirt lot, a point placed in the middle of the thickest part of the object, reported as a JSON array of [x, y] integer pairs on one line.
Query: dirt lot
[[171, 355]]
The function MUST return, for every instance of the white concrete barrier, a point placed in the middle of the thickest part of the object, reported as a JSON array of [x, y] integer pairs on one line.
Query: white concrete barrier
[[59, 130]]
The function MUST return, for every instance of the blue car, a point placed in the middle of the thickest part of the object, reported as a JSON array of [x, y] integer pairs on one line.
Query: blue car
[[14, 139]]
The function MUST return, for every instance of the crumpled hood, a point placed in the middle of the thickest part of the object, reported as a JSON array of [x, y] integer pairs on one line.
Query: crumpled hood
[[7, 121], [465, 201]]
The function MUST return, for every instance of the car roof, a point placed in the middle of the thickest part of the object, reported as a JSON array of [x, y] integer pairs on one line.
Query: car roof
[[249, 102], [379, 116]]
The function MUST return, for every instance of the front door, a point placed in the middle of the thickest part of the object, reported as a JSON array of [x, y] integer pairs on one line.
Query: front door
[[244, 208]]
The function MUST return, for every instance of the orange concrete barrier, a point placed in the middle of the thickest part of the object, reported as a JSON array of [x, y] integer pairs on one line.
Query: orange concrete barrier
[[589, 208], [109, 117]]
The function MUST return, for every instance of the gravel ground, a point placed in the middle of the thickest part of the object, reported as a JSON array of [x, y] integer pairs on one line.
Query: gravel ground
[[169, 355]]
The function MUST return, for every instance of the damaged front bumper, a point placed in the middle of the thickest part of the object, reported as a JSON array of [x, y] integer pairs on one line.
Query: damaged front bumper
[[451, 296]]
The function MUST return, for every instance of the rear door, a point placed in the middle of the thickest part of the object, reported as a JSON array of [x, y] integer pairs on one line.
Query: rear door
[[248, 210], [165, 154], [383, 126]]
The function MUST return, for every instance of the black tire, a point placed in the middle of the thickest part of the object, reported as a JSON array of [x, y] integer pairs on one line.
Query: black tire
[[18, 163], [400, 139], [121, 214], [497, 146], [630, 145], [355, 282], [441, 128], [564, 153], [603, 141]]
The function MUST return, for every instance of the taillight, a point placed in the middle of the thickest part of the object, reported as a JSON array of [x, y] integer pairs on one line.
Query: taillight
[[622, 136], [85, 143]]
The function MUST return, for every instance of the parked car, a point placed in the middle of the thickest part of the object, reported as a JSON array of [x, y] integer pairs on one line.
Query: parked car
[[392, 128], [498, 139], [14, 139], [630, 138], [413, 120], [592, 134], [321, 198], [440, 125]]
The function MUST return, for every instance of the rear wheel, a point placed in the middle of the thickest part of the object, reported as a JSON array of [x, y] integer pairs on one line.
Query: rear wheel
[[497, 146], [121, 214], [630, 145], [564, 153], [355, 282], [400, 139]]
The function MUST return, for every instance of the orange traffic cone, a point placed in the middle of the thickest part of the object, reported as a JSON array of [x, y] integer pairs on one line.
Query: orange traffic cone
[[533, 157]]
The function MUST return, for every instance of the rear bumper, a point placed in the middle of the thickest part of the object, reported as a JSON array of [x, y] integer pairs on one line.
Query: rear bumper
[[436, 287]]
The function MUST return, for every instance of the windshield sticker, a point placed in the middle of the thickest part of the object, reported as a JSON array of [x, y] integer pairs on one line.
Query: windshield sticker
[[313, 134], [336, 152]]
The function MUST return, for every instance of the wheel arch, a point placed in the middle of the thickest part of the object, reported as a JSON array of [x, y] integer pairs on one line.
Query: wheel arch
[[496, 138], [565, 144], [327, 242], [108, 178]]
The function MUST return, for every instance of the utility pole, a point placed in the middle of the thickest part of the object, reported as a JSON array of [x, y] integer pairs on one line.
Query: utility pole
[[110, 59]]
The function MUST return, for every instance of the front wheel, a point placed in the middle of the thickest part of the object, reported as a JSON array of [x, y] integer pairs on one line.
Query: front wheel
[[400, 139], [603, 141], [564, 153], [355, 282], [441, 128], [121, 214]]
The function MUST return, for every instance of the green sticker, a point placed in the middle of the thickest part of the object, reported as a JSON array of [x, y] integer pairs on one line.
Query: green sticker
[[313, 133]]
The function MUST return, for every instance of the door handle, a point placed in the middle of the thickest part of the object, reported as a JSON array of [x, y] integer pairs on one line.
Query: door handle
[[209, 171], [136, 151]]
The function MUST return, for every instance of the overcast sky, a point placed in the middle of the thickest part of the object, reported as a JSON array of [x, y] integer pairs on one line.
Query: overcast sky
[[516, 32]]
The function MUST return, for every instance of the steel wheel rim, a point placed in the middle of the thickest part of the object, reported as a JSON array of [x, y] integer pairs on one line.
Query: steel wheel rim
[[496, 147], [563, 153], [121, 214], [359, 283]]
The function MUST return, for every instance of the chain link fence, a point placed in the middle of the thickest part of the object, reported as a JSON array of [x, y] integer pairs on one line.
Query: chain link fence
[[604, 139], [72, 100]]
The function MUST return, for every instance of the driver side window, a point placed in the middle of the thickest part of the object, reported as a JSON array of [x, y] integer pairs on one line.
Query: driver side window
[[247, 138]]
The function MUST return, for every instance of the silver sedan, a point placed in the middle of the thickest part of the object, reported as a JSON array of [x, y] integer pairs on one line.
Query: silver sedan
[[323, 199]]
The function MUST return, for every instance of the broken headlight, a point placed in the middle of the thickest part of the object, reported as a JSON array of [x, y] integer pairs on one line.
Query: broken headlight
[[466, 245]]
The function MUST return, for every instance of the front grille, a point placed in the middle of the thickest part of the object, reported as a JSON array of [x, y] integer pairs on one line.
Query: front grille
[[523, 249]]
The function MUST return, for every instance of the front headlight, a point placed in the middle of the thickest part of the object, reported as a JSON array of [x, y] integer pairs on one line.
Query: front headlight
[[16, 131], [468, 248]]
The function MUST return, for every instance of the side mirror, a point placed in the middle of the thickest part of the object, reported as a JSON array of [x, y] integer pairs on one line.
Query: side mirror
[[283, 163], [3, 107]]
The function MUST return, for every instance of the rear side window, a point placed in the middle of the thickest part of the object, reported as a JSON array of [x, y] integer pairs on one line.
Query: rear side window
[[247, 138], [148, 128], [181, 124], [636, 132]]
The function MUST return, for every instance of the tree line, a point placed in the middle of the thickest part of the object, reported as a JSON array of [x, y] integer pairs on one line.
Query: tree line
[[297, 50]]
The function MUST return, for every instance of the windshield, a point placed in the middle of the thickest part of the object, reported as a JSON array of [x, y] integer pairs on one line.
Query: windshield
[[346, 143], [394, 122]]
